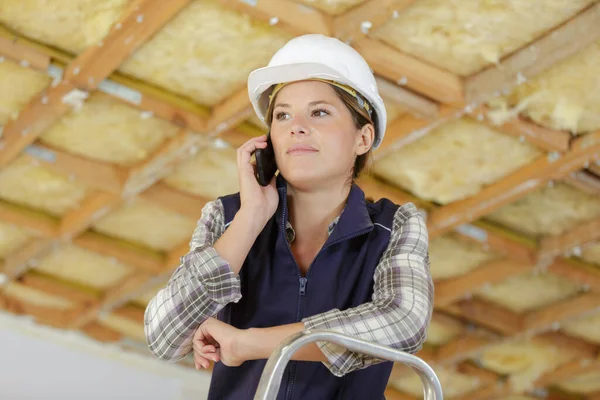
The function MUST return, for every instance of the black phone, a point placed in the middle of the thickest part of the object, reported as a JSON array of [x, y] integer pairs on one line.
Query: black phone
[[265, 163]]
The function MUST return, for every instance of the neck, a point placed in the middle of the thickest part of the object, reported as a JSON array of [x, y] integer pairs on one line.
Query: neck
[[312, 211]]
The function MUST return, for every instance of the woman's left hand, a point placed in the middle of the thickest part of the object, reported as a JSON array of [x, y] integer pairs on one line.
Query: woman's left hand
[[217, 341]]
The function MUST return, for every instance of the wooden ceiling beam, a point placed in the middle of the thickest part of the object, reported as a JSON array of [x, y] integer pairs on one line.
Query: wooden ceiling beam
[[585, 181], [138, 24], [492, 272], [41, 112], [367, 17], [516, 185], [553, 246], [293, 18], [556, 45], [23, 55]]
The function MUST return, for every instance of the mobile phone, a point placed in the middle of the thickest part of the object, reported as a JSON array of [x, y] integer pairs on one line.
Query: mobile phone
[[265, 163]]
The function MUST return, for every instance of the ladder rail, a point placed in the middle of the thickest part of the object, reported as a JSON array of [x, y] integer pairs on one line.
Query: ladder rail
[[270, 380]]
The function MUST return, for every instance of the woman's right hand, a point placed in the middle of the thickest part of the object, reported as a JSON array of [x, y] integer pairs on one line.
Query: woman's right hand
[[259, 201]]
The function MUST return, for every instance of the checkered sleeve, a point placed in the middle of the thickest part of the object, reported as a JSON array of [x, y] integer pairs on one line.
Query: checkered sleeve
[[402, 303], [199, 288]]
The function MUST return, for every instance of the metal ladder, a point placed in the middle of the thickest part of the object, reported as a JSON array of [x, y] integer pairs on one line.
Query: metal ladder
[[270, 380]]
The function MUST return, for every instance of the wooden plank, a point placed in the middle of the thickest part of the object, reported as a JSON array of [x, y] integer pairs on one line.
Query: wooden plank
[[588, 276], [545, 138], [230, 112], [293, 18], [162, 162], [586, 232], [93, 208], [376, 189], [559, 44], [409, 128], [101, 333], [462, 346], [584, 350], [41, 112], [138, 258], [56, 288], [492, 272], [556, 313], [184, 203], [151, 101], [568, 371], [24, 55], [515, 186], [584, 181], [594, 168], [487, 314], [94, 174], [18, 262], [491, 238], [367, 17], [412, 102], [136, 27], [423, 78], [37, 222]]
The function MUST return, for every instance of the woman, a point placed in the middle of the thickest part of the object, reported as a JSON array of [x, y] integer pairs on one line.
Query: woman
[[306, 251]]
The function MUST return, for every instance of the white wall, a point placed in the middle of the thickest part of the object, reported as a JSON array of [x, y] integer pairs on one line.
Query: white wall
[[38, 362]]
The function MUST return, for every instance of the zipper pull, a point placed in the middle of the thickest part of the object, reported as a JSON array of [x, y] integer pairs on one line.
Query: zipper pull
[[302, 286]]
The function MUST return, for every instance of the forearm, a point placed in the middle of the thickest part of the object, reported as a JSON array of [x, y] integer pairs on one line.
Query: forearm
[[235, 243], [259, 343]]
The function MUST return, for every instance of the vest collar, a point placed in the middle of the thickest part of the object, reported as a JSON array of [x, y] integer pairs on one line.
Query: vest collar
[[353, 221]]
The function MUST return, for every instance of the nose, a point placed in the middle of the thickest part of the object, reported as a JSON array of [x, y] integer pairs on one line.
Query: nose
[[299, 125]]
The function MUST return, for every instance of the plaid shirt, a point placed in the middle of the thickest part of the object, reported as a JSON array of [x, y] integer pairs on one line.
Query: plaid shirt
[[398, 315]]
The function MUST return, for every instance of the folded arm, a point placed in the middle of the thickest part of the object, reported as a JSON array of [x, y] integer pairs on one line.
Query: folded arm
[[398, 315]]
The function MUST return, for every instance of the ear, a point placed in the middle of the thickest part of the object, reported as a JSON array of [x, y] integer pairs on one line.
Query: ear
[[364, 139]]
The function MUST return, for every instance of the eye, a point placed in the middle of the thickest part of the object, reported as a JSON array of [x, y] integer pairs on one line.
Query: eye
[[320, 112], [280, 115]]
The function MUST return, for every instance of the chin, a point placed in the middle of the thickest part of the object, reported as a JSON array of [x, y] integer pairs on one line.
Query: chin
[[303, 178]]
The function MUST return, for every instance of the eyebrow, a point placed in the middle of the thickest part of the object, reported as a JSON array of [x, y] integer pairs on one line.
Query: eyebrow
[[312, 103]]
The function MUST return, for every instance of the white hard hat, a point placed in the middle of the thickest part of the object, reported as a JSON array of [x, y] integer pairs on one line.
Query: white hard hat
[[316, 56]]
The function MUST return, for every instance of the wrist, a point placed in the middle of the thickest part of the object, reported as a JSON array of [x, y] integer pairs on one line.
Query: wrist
[[252, 218], [245, 344]]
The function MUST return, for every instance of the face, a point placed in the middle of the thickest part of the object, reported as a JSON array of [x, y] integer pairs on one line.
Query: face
[[314, 136]]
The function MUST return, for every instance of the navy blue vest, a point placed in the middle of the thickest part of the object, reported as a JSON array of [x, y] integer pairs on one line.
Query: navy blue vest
[[274, 293]]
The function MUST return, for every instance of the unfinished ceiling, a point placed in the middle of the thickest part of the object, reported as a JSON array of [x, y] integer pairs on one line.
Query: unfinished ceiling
[[120, 119]]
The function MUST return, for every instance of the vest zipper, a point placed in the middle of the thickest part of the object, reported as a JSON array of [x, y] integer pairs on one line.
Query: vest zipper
[[302, 288]]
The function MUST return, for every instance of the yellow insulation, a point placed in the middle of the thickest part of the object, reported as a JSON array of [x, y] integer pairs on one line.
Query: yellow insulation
[[211, 173], [527, 292], [442, 331], [18, 85], [582, 384], [205, 52], [124, 326], [451, 257], [84, 267], [12, 237], [564, 97], [332, 7], [146, 224], [454, 161], [454, 383], [551, 210], [36, 297], [71, 25], [106, 129], [29, 184], [591, 253], [587, 328], [524, 361], [466, 36]]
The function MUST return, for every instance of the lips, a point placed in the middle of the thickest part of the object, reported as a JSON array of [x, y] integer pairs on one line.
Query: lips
[[301, 148]]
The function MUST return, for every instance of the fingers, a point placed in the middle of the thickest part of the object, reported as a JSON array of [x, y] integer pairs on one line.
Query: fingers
[[204, 353], [245, 151]]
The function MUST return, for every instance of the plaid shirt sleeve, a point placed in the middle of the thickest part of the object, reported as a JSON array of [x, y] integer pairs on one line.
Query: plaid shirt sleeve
[[400, 311], [199, 288]]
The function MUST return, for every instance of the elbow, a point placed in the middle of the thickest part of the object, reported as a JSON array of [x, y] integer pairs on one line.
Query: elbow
[[412, 329], [156, 342]]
